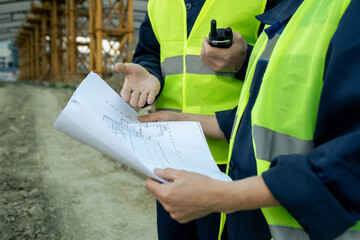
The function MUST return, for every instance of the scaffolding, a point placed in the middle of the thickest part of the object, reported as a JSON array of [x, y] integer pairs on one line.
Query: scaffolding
[[66, 38]]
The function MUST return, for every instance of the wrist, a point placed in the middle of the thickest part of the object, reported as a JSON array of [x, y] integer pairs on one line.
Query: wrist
[[218, 196], [246, 194]]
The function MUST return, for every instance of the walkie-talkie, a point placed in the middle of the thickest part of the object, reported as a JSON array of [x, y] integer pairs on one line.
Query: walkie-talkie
[[221, 37]]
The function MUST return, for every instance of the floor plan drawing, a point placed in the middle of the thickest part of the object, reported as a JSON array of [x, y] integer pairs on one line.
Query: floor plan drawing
[[97, 116], [145, 140]]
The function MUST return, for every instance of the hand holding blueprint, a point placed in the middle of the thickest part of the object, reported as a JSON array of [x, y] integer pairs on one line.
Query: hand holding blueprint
[[97, 116]]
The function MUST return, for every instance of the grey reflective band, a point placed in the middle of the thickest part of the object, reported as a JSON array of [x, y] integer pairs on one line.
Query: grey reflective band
[[269, 48], [194, 65], [349, 235], [172, 66], [286, 233], [167, 109], [270, 144]]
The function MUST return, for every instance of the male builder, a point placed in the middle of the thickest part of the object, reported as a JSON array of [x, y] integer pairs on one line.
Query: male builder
[[297, 124], [170, 57]]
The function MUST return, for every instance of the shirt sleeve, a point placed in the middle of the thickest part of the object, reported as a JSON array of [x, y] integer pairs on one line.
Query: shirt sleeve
[[321, 189], [226, 121], [147, 52], [242, 72]]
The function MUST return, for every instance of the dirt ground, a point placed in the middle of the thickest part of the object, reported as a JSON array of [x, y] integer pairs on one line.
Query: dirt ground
[[53, 187]]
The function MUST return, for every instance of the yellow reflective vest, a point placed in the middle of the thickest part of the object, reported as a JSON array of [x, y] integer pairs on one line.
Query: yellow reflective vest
[[284, 114], [191, 86]]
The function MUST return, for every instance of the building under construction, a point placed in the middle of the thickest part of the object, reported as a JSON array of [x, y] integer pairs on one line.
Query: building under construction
[[61, 40]]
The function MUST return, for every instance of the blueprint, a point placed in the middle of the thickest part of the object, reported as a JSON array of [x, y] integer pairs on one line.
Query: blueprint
[[147, 140], [97, 116]]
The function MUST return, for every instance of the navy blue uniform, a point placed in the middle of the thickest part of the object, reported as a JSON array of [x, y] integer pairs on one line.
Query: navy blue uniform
[[332, 204]]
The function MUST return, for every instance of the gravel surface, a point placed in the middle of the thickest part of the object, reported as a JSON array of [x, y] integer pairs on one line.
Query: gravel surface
[[53, 187]]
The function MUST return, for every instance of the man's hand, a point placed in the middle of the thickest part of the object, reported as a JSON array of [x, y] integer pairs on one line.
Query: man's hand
[[140, 86], [186, 196], [225, 59], [161, 116]]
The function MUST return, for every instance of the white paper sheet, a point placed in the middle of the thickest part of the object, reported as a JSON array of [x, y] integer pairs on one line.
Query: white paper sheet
[[97, 116]]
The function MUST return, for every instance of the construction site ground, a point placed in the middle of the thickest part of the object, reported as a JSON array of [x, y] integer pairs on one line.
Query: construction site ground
[[54, 187]]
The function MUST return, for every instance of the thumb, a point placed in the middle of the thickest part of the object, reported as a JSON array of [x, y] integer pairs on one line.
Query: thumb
[[237, 36], [205, 45], [205, 41], [149, 118], [122, 68], [168, 174]]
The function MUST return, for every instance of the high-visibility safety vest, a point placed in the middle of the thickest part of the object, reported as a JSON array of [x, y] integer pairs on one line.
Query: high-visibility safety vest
[[285, 112], [191, 86]]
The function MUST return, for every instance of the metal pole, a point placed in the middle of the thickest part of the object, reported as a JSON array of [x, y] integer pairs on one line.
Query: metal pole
[[72, 37], [27, 57], [99, 36], [92, 44], [31, 58], [37, 47], [130, 20], [43, 46], [53, 40]]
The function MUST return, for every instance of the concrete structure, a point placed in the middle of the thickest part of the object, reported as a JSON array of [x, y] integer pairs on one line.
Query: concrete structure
[[62, 38]]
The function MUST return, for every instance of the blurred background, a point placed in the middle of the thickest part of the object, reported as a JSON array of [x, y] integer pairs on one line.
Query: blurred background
[[52, 186], [62, 40]]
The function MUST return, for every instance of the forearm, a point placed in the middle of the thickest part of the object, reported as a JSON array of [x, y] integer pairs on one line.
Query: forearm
[[249, 193], [208, 123]]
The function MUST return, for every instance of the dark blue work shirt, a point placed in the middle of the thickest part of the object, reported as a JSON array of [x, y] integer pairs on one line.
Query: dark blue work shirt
[[332, 203]]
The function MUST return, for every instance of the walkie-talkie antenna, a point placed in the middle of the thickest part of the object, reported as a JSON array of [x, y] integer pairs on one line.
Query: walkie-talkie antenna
[[213, 32]]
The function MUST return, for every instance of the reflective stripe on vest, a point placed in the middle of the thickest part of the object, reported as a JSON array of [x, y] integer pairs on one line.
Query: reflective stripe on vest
[[284, 115], [191, 86], [288, 233], [270, 144], [194, 64]]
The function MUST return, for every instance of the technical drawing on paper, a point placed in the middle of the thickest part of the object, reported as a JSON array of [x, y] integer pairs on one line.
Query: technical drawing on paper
[[145, 140], [130, 116]]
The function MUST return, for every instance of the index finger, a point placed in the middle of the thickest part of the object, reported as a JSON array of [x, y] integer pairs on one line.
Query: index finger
[[153, 186], [125, 91]]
